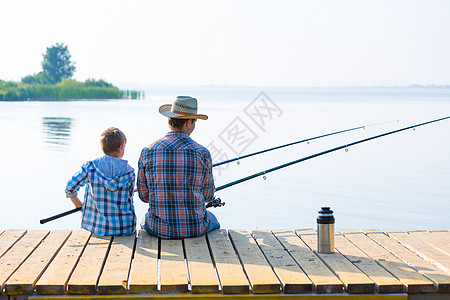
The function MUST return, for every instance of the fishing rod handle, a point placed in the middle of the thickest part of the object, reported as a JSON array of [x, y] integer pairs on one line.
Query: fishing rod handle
[[43, 221]]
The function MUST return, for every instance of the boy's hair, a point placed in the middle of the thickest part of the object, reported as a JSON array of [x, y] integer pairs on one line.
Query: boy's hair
[[177, 123], [111, 139]]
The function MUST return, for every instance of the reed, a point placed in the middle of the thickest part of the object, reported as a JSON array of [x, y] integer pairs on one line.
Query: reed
[[65, 90]]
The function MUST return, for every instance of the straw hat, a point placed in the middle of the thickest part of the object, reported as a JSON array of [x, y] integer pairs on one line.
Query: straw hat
[[184, 107]]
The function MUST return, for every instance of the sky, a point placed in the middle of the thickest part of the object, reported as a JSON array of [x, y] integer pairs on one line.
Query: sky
[[141, 43]]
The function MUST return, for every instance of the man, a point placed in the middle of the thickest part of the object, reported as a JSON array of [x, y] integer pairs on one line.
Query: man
[[175, 177]]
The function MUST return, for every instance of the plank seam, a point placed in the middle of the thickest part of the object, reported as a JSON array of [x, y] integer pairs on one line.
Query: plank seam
[[76, 263], [436, 284], [213, 261], [131, 263], [428, 242], [51, 259], [423, 256], [401, 244], [239, 258], [186, 265], [406, 262], [401, 260], [18, 239], [345, 256], [158, 276], [287, 250], [268, 261], [316, 254], [104, 263], [376, 260], [2, 284], [264, 254]]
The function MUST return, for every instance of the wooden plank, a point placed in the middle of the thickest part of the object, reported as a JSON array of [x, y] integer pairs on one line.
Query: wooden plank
[[114, 277], [229, 269], [441, 280], [23, 280], [9, 238], [54, 280], [385, 282], [18, 253], [250, 296], [413, 281], [292, 277], [323, 279], [144, 271], [85, 276], [309, 237], [427, 252], [173, 273], [432, 240], [442, 234], [259, 273], [355, 281], [201, 270]]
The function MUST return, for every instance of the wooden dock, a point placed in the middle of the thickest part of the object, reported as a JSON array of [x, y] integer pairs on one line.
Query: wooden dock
[[367, 264]]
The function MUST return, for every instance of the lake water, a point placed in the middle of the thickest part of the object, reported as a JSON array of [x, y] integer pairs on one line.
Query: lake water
[[398, 181]]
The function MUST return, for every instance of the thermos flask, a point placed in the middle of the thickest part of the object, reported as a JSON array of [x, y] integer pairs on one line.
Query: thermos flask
[[325, 231]]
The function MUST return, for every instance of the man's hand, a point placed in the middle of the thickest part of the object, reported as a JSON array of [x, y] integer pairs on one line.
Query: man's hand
[[215, 202], [77, 202]]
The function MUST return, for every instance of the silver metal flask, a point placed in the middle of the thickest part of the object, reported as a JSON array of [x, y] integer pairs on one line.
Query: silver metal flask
[[325, 231]]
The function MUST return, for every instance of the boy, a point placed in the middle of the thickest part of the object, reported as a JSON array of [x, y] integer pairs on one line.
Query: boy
[[108, 201]]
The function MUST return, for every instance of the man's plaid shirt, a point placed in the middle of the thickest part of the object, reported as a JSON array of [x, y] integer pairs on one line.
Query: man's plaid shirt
[[175, 178]]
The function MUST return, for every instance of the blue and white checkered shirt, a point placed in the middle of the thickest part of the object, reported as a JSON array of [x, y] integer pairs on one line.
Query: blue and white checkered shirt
[[108, 207]]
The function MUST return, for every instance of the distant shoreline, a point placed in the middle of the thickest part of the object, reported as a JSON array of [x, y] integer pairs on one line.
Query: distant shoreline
[[206, 86], [66, 90]]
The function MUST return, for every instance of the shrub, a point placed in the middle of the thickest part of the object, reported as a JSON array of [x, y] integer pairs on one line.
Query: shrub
[[99, 83], [38, 78], [12, 95]]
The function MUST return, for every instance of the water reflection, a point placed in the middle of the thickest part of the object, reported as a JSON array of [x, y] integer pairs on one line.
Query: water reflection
[[57, 131]]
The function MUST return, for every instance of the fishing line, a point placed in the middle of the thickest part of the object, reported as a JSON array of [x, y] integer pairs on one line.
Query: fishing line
[[324, 152], [298, 142]]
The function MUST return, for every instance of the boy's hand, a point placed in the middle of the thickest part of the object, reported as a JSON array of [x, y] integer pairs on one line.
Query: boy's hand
[[76, 202]]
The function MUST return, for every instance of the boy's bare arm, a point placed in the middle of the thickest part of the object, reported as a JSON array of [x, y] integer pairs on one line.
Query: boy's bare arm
[[77, 202]]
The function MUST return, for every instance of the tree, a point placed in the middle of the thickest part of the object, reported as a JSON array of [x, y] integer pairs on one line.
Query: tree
[[56, 64]]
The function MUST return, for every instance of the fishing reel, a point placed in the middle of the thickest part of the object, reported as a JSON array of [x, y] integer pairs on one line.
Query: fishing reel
[[215, 202]]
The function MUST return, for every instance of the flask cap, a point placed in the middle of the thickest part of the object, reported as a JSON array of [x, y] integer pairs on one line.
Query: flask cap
[[325, 216]]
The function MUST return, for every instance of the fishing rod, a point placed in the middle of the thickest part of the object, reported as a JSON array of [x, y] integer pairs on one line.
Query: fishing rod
[[298, 142], [216, 202], [43, 221], [324, 152]]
